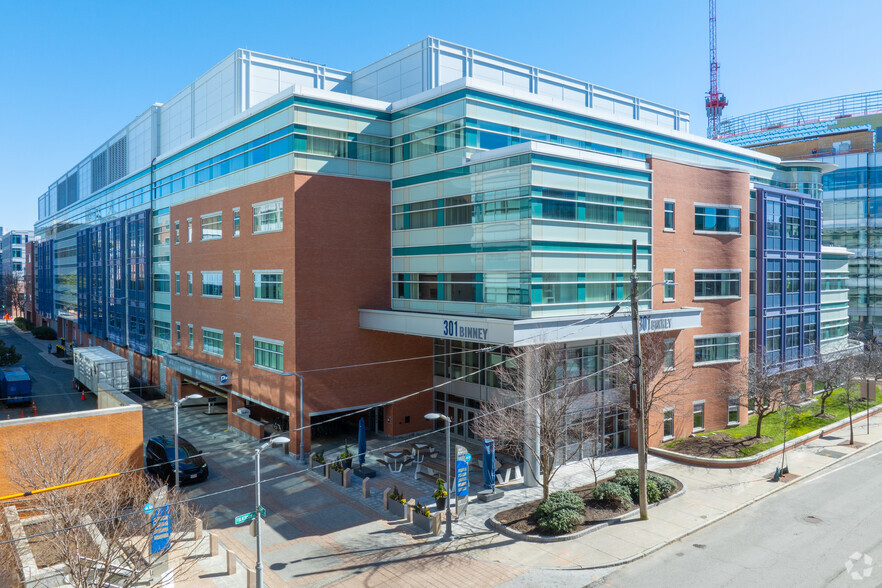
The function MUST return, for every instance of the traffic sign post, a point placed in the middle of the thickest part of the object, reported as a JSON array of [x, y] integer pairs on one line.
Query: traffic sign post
[[244, 518]]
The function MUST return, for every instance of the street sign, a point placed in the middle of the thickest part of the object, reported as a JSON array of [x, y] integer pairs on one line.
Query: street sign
[[468, 457], [244, 518], [148, 508], [224, 378], [262, 510]]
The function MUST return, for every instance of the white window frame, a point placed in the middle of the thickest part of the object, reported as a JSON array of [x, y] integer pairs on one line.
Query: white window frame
[[205, 350], [254, 340], [719, 361], [190, 336], [237, 284], [696, 405], [189, 230], [726, 206], [177, 232], [178, 333], [733, 403], [237, 230], [665, 279], [665, 213], [257, 209], [665, 420], [189, 283], [177, 283], [695, 273], [237, 347], [202, 283], [211, 237], [673, 365], [256, 273]]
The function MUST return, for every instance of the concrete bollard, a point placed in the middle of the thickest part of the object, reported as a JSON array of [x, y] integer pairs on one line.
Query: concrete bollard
[[386, 494], [197, 530], [311, 460], [213, 544], [251, 578], [347, 478], [409, 509], [366, 487], [231, 563]]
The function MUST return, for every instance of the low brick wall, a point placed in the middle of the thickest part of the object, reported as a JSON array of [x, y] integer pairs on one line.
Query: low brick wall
[[743, 462], [247, 425]]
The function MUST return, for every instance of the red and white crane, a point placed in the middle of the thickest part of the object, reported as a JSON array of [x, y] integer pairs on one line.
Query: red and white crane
[[715, 101]]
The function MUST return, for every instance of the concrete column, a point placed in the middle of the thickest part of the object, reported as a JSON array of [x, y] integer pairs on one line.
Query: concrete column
[[197, 530], [213, 544], [531, 421], [231, 563]]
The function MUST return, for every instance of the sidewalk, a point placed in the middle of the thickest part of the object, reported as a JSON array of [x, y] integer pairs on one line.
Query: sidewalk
[[41, 345]]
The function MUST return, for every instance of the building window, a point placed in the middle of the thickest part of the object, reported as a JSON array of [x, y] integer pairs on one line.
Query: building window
[[717, 349], [792, 227], [669, 286], [177, 232], [717, 219], [717, 283], [698, 415], [177, 283], [669, 354], [212, 226], [177, 333], [733, 410], [190, 336], [213, 342], [162, 330], [237, 283], [791, 338], [669, 215], [269, 354], [161, 283], [809, 333], [773, 339], [669, 423], [267, 216], [268, 285], [792, 283], [810, 283], [773, 225], [212, 284], [773, 283], [189, 230], [810, 234], [237, 347], [189, 283], [235, 222]]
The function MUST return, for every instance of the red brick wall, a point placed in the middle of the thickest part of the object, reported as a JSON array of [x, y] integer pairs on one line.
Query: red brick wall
[[684, 251]]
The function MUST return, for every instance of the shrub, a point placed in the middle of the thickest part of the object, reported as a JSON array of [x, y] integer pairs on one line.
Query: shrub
[[561, 512], [631, 483], [665, 485], [625, 472], [613, 493], [45, 333], [23, 324]]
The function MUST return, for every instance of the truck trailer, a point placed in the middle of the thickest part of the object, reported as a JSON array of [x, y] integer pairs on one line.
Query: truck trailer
[[96, 366], [15, 385]]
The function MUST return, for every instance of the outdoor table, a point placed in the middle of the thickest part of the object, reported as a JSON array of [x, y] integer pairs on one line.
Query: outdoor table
[[420, 451], [434, 466], [397, 459]]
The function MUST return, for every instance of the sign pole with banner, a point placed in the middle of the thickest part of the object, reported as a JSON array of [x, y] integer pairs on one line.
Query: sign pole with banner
[[463, 457]]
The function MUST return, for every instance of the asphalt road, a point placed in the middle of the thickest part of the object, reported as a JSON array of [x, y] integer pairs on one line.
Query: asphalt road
[[802, 536], [51, 384]]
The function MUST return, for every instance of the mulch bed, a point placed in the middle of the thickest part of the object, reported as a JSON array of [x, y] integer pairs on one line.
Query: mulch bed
[[522, 519], [716, 445]]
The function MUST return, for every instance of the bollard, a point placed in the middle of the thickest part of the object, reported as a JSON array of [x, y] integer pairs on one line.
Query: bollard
[[366, 488], [213, 544], [197, 530], [386, 494], [347, 478], [409, 509], [231, 563], [251, 578]]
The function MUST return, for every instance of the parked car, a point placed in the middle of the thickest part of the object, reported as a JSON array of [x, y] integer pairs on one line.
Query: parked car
[[159, 453]]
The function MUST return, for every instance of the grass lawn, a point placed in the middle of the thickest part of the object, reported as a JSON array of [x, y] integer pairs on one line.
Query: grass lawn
[[799, 422]]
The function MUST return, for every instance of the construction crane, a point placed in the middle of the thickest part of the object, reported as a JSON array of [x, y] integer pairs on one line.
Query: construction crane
[[715, 101]]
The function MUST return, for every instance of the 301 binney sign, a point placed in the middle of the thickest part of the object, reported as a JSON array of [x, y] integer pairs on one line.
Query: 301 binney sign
[[452, 328], [648, 324]]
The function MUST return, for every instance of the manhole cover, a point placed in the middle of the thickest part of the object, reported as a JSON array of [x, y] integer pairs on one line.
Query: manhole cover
[[833, 454], [699, 545], [812, 519]]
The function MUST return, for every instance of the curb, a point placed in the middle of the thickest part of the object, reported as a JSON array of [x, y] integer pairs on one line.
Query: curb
[[716, 519]]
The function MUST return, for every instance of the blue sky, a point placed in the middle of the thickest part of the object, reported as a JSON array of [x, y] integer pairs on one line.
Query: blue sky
[[74, 73]]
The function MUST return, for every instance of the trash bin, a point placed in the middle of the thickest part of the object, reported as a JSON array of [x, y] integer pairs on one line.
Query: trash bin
[[49, 349]]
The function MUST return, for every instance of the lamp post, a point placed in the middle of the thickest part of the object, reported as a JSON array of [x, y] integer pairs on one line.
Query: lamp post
[[448, 526], [258, 568], [177, 457]]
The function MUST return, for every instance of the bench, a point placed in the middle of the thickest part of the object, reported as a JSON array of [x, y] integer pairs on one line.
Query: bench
[[429, 477], [383, 462]]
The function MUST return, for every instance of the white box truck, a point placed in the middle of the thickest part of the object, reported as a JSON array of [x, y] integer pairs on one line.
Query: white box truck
[[95, 366]]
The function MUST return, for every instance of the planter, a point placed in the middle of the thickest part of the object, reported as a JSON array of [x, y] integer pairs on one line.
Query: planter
[[398, 509], [335, 476], [425, 523], [441, 503], [346, 462]]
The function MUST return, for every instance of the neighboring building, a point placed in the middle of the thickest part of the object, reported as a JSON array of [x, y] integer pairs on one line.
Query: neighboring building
[[12, 246], [840, 131], [278, 222], [834, 298], [30, 308]]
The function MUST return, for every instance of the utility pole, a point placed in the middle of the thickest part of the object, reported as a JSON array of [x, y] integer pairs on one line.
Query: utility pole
[[637, 386]]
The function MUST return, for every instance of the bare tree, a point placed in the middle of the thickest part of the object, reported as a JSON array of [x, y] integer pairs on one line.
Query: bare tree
[[98, 530], [12, 293], [533, 398], [757, 385], [829, 371]]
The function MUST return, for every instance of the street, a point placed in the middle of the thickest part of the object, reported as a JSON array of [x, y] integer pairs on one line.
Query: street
[[803, 536], [51, 384]]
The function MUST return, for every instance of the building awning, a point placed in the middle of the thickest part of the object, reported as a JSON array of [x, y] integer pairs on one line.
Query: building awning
[[198, 370], [532, 331]]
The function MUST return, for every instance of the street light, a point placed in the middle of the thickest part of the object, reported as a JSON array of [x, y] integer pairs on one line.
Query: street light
[[258, 568], [177, 457], [448, 528]]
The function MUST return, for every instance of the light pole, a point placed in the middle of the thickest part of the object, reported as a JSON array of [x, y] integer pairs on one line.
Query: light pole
[[448, 527], [177, 457], [258, 568]]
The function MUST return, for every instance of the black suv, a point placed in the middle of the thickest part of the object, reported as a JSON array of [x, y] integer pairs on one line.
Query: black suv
[[160, 451]]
